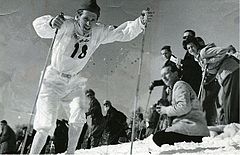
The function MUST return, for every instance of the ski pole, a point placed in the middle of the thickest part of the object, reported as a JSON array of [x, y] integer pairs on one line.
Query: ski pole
[[39, 87]]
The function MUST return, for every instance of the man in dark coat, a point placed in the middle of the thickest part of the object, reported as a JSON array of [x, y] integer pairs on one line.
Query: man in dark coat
[[7, 139], [115, 123], [95, 112]]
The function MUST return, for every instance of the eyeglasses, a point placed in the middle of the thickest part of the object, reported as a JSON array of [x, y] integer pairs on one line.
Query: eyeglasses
[[185, 37]]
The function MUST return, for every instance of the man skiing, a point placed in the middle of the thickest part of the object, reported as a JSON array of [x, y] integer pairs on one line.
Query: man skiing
[[76, 40]]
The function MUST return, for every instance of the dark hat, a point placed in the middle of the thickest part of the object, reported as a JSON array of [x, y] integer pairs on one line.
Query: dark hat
[[90, 5], [89, 92], [4, 121], [190, 40], [107, 103]]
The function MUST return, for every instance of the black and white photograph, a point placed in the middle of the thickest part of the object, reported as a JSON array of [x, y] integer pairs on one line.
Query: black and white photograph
[[119, 77]]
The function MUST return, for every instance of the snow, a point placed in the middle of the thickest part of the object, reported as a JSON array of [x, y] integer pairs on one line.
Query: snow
[[224, 143]]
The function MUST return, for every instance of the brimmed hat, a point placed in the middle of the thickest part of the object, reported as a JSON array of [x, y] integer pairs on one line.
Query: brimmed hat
[[90, 5]]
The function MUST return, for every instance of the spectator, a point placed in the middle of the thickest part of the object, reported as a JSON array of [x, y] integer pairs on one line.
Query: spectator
[[190, 66], [95, 111], [219, 61], [20, 140], [115, 123], [141, 126], [188, 123], [209, 93], [60, 136], [20, 133], [166, 52], [7, 139], [152, 120], [210, 89], [164, 121]]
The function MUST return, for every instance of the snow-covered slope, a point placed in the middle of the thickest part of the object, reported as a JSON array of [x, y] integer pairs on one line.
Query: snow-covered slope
[[228, 144]]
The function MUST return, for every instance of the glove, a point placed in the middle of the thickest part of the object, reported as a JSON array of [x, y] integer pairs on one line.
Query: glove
[[163, 102], [156, 83], [57, 21], [232, 50], [151, 86], [146, 16]]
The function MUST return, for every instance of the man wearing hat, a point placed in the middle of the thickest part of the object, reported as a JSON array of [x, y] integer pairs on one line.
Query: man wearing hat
[[115, 124], [95, 111], [77, 39]]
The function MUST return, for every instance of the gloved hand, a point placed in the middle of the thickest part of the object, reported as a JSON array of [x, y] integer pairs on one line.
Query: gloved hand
[[151, 86], [146, 16], [163, 102], [232, 50], [57, 21]]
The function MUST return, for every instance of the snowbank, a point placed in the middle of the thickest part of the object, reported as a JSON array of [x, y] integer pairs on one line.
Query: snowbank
[[226, 143]]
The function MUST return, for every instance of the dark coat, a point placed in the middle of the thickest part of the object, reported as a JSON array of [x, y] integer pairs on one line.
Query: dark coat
[[95, 111], [7, 140], [115, 125], [191, 72], [114, 120]]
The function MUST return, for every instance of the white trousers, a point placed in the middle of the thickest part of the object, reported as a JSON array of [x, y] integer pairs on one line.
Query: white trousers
[[60, 92]]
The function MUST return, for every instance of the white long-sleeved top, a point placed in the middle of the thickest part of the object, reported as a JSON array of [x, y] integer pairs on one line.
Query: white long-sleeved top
[[71, 51]]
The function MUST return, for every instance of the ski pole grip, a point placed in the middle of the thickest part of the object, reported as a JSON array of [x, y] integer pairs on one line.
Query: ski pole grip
[[62, 16]]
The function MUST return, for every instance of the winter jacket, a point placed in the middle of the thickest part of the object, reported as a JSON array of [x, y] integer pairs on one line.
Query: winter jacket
[[189, 67], [7, 140], [95, 111], [187, 112], [218, 60], [114, 121]]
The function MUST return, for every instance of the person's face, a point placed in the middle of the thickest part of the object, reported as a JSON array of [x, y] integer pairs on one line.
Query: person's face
[[2, 125], [86, 20], [89, 96], [192, 49], [186, 35], [168, 76], [166, 54], [106, 108]]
